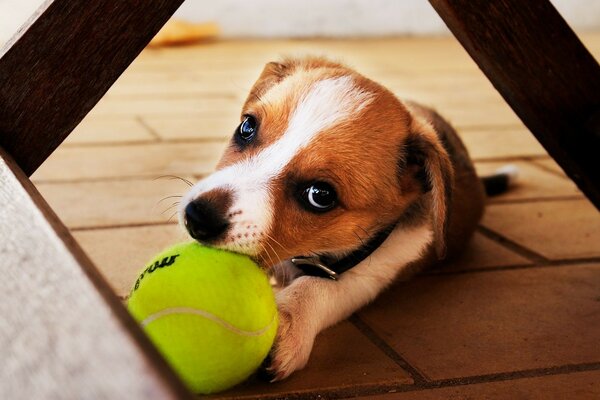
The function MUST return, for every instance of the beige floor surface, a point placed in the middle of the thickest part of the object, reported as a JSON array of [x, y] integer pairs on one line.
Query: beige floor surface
[[518, 317]]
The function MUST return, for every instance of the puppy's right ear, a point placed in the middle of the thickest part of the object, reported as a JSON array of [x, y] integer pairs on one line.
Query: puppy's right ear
[[274, 70], [272, 73]]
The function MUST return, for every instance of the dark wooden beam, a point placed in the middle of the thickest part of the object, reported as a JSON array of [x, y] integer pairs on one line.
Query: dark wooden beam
[[537, 63], [62, 62], [63, 332]]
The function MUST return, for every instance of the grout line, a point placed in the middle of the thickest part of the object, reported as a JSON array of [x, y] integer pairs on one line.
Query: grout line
[[125, 178], [148, 128], [514, 246], [440, 270], [366, 330], [530, 157], [536, 199], [326, 393], [191, 94], [506, 376], [550, 170], [552, 264], [209, 139], [123, 143], [119, 226], [475, 128], [160, 141], [379, 389]]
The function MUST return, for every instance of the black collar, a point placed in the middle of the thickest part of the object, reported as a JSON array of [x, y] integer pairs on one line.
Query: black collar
[[328, 267]]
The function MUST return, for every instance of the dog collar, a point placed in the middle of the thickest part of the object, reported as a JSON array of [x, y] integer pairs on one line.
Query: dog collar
[[326, 267]]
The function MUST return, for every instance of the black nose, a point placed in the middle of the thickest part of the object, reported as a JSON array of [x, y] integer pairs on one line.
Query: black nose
[[204, 221]]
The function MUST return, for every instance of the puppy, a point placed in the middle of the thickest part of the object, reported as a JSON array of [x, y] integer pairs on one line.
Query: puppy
[[339, 188]]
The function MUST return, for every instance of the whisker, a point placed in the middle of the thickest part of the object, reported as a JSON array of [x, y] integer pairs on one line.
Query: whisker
[[277, 256], [359, 238], [279, 259], [168, 197], [175, 213], [171, 177], [363, 229], [264, 250], [170, 207], [275, 240]]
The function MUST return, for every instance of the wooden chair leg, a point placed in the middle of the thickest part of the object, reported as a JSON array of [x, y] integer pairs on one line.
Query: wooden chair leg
[[61, 63], [543, 71], [63, 332]]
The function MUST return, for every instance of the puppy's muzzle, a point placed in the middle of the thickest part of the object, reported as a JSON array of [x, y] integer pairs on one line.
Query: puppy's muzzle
[[205, 220]]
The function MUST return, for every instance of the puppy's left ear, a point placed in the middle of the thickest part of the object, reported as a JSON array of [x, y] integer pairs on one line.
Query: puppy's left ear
[[425, 166]]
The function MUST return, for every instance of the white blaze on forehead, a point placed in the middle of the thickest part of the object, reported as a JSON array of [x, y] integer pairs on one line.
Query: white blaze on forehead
[[327, 103]]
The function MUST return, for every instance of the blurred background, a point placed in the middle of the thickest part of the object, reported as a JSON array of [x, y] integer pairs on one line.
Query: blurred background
[[314, 18], [516, 317]]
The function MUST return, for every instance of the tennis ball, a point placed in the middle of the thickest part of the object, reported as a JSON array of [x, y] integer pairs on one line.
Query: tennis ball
[[211, 313]]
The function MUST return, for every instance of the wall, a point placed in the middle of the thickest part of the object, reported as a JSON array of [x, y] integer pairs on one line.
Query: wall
[[308, 18]]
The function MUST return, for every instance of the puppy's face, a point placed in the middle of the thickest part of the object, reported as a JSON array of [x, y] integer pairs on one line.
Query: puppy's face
[[318, 165]]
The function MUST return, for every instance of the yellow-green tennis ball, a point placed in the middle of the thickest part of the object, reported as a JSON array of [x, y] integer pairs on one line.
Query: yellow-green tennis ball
[[211, 313]]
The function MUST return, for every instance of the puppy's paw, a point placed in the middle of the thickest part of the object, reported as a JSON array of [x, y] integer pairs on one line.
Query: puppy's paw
[[291, 349]]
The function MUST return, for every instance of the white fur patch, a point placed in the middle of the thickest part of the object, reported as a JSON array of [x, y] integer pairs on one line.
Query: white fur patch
[[327, 103], [311, 304], [332, 301], [511, 171]]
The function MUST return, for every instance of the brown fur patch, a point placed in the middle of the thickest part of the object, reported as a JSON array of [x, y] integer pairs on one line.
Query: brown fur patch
[[359, 157]]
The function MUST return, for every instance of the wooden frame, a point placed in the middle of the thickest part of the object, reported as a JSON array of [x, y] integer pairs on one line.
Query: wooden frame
[[74, 51], [537, 63], [63, 333]]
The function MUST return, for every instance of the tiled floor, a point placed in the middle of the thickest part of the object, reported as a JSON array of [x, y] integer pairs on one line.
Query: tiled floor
[[518, 317]]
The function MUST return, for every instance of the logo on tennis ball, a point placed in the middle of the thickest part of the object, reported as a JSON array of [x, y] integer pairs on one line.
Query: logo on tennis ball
[[165, 262]]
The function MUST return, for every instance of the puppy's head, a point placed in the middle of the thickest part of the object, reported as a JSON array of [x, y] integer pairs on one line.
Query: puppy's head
[[323, 160]]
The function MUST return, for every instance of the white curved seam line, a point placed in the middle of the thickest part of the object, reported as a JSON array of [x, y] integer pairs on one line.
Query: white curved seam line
[[207, 315]]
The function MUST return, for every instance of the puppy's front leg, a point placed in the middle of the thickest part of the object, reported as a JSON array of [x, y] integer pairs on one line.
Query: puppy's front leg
[[310, 304]]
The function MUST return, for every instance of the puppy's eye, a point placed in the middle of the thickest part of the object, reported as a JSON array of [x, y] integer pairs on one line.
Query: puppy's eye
[[319, 196], [247, 130]]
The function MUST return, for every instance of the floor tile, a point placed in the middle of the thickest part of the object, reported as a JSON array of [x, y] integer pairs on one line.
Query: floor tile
[[489, 115], [143, 160], [463, 325], [113, 203], [498, 143], [109, 130], [482, 253], [342, 357], [219, 127], [533, 182], [575, 386], [555, 229], [120, 253], [161, 83], [117, 106], [445, 325], [551, 165]]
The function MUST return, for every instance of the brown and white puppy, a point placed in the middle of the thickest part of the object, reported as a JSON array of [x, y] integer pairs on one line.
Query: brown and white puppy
[[329, 164]]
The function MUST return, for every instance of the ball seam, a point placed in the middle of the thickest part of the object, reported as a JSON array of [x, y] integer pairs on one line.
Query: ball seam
[[194, 311]]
